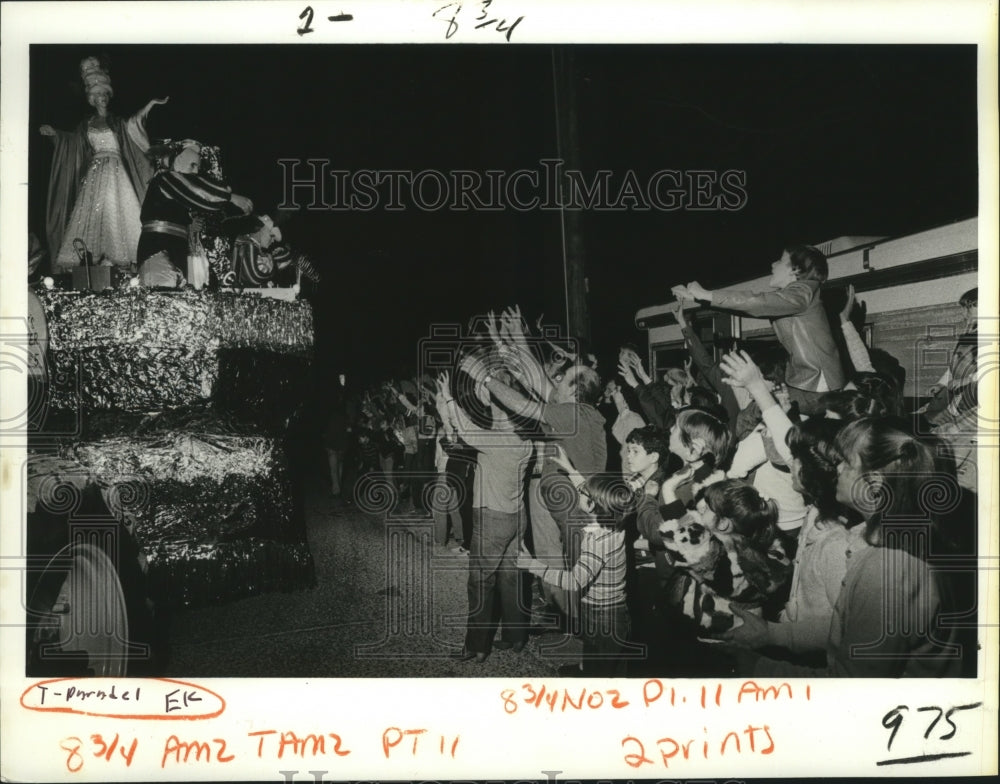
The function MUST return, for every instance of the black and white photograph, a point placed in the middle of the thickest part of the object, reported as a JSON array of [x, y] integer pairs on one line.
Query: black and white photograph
[[644, 367]]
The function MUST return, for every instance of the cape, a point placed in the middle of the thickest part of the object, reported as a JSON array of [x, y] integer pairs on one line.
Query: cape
[[70, 160]]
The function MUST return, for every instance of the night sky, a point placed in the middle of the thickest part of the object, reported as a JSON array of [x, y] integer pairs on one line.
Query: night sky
[[834, 140]]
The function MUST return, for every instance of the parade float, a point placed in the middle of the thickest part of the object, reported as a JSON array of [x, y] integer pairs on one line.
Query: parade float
[[159, 475]]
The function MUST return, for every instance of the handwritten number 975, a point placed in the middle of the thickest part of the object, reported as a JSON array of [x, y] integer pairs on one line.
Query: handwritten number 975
[[893, 720]]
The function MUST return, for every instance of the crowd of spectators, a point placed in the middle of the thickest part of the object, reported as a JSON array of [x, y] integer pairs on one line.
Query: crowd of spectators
[[768, 513]]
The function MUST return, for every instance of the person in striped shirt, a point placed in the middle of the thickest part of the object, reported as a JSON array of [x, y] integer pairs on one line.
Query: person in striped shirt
[[598, 574], [173, 193]]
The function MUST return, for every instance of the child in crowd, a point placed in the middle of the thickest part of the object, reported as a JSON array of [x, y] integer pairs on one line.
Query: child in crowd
[[647, 459], [598, 574], [698, 440], [726, 547], [821, 558], [701, 440], [647, 452], [627, 421]]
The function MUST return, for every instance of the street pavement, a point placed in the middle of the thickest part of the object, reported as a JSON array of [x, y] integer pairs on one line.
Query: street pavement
[[388, 602]]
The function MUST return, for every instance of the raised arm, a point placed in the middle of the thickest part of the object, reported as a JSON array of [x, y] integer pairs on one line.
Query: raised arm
[[792, 299], [135, 126], [626, 372], [638, 369], [514, 401], [442, 399], [741, 371], [55, 134], [856, 349], [517, 354], [145, 110], [463, 426], [563, 461], [404, 401], [529, 371], [699, 354], [593, 557]]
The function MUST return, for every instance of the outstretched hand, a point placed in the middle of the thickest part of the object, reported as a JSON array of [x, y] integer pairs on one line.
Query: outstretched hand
[[153, 102], [443, 385], [512, 325], [740, 370], [491, 328], [635, 362], [627, 374], [242, 202], [697, 291], [638, 369], [668, 490], [752, 633]]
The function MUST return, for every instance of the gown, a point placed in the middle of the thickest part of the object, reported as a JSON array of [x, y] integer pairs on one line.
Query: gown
[[106, 211]]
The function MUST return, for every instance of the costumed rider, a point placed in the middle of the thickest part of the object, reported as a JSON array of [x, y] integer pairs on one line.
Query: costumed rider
[[261, 257], [176, 190]]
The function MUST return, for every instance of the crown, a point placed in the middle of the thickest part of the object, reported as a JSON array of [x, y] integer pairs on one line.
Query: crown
[[95, 78]]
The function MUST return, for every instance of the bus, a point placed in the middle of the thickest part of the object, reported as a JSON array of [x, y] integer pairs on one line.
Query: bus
[[908, 288]]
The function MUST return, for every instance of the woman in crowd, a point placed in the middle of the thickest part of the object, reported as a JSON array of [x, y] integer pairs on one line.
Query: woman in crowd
[[887, 617], [751, 567]]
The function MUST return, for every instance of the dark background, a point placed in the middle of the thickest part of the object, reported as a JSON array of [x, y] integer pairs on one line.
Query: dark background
[[834, 140]]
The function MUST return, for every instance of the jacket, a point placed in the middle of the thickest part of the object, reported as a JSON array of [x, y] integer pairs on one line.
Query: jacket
[[801, 325]]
